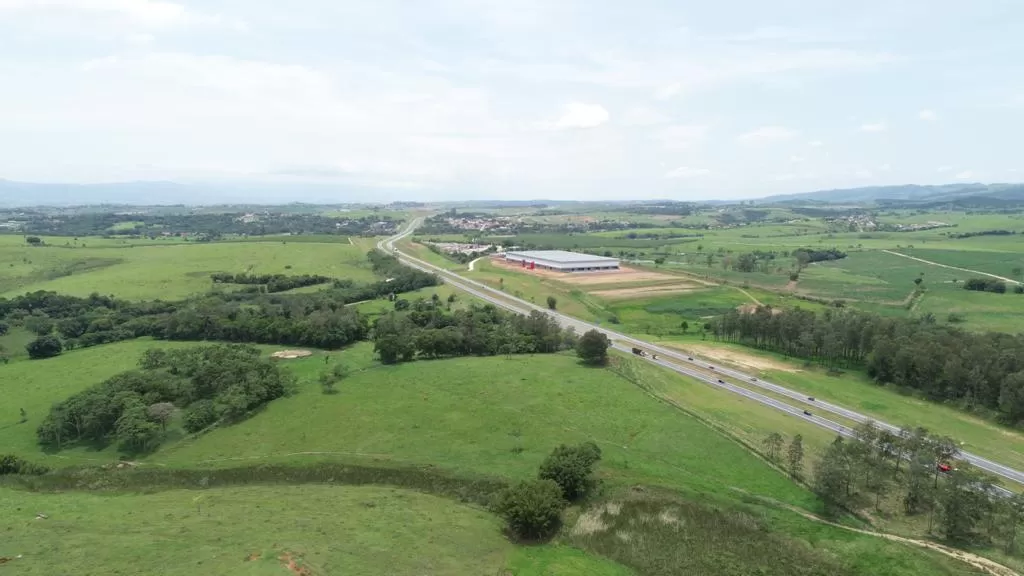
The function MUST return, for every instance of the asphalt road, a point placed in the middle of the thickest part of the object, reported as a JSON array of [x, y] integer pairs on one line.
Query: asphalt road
[[681, 362]]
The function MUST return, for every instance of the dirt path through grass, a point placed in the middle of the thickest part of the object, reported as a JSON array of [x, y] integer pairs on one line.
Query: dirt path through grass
[[981, 563], [473, 263], [1003, 278]]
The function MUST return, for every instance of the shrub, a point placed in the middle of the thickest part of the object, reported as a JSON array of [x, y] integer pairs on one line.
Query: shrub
[[200, 415], [11, 464], [45, 347], [552, 302], [532, 509], [1018, 289], [572, 467], [592, 347]]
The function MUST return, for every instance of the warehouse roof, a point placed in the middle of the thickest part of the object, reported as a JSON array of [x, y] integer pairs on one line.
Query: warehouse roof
[[561, 256]]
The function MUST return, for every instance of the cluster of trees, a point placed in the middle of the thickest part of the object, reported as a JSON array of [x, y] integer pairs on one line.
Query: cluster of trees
[[810, 255], [211, 225], [319, 319], [985, 285], [878, 464], [427, 330], [942, 361], [983, 233], [532, 508], [270, 282], [210, 384]]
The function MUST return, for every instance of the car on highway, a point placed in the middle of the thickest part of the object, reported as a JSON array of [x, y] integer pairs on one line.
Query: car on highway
[[811, 398], [690, 358], [711, 367], [807, 413], [753, 379], [720, 381]]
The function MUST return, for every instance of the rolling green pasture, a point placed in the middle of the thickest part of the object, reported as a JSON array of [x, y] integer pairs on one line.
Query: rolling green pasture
[[998, 263], [250, 530], [169, 271], [491, 416]]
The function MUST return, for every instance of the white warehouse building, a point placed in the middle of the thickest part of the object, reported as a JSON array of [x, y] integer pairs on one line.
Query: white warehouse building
[[562, 261]]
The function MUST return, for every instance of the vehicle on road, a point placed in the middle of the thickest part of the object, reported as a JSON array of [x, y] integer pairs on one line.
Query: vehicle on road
[[711, 367], [720, 381], [690, 358], [811, 398], [808, 413], [753, 379]]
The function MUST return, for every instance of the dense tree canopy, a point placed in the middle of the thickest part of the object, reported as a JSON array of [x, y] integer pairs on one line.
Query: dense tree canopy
[[942, 361], [211, 383]]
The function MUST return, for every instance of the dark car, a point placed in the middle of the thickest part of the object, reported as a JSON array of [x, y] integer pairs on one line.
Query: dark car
[[720, 381], [807, 413], [690, 358], [753, 379], [711, 367]]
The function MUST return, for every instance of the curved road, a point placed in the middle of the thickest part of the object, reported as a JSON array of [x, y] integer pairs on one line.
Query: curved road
[[680, 360]]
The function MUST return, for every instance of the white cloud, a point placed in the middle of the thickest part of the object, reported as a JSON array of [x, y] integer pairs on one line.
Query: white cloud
[[927, 115], [644, 116], [815, 143], [965, 175], [942, 169], [580, 115], [797, 159], [766, 134], [687, 172], [680, 136], [874, 127]]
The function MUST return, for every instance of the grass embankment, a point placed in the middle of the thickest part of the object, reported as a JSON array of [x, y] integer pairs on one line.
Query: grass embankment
[[166, 271], [855, 390], [496, 418]]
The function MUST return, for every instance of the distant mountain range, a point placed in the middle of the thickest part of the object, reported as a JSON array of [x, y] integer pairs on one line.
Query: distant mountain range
[[963, 194], [155, 193]]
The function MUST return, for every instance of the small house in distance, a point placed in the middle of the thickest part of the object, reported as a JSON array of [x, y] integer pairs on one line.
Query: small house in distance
[[561, 261]]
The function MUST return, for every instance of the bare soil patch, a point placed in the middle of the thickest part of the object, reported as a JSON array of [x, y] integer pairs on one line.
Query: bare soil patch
[[620, 276], [751, 308], [640, 291], [734, 357], [290, 354], [289, 562]]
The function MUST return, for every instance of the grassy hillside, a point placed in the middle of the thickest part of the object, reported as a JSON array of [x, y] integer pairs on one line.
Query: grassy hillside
[[166, 271], [249, 530]]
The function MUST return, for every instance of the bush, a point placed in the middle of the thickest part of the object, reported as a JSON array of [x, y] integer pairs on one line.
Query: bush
[[572, 467], [200, 415], [592, 347], [1018, 289], [11, 464], [552, 302], [45, 347], [532, 509]]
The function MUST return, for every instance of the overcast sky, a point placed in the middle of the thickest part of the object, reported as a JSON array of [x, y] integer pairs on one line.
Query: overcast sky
[[588, 99]]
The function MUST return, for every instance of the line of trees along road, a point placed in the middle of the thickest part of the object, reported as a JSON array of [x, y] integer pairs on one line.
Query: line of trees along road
[[877, 467], [972, 370]]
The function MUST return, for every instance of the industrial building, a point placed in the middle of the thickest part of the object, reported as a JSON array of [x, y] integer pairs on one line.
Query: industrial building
[[561, 261]]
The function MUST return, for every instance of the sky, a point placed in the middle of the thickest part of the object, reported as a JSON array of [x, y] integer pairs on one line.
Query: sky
[[559, 99]]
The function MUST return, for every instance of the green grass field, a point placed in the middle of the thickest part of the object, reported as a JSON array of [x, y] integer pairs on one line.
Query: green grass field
[[168, 271], [250, 530], [492, 416]]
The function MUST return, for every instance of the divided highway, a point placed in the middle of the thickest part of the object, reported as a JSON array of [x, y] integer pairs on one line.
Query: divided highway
[[681, 362]]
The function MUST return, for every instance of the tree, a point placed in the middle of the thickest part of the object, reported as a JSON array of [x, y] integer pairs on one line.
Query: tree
[[4, 328], [552, 302], [135, 432], [795, 456], [451, 298], [685, 326], [44, 347], [329, 379], [161, 413], [962, 501], [773, 445], [592, 348], [1013, 513], [401, 304], [572, 467], [40, 325], [945, 450], [830, 477], [532, 508], [24, 415], [34, 240], [659, 261], [918, 280]]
